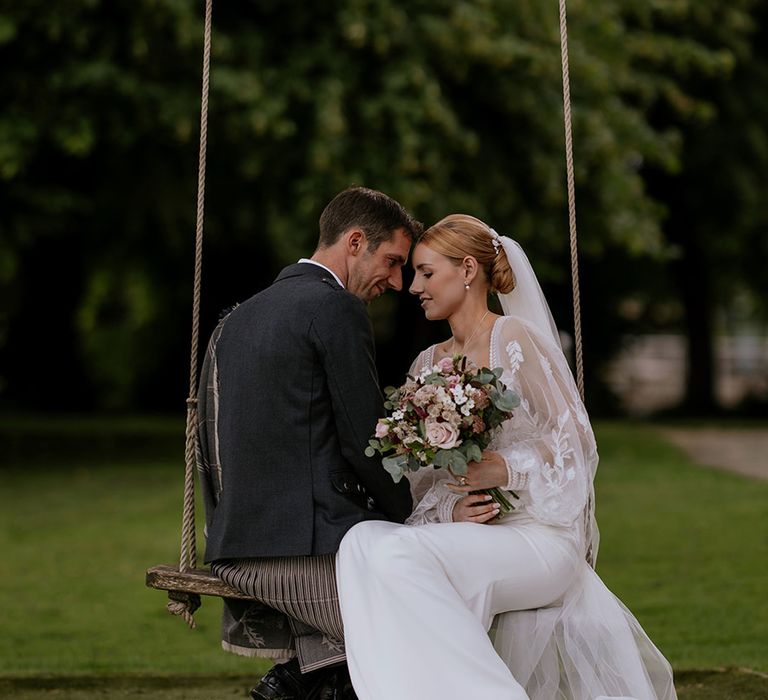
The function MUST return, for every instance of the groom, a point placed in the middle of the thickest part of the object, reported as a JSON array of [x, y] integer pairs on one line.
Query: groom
[[288, 398]]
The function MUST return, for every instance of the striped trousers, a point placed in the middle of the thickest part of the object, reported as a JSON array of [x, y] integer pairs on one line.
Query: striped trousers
[[304, 589]]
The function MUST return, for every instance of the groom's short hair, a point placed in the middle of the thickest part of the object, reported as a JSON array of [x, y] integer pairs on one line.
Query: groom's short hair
[[374, 213]]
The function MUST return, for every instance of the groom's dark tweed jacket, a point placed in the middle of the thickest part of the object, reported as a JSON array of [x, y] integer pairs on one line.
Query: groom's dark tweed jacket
[[288, 399]]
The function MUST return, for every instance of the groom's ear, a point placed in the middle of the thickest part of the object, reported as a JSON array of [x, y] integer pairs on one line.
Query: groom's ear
[[355, 241]]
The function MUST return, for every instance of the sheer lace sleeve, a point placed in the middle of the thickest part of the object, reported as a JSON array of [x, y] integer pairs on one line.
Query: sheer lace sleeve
[[548, 444], [433, 501]]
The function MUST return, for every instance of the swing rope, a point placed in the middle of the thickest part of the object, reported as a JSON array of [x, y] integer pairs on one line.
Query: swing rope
[[185, 604], [578, 346], [571, 200]]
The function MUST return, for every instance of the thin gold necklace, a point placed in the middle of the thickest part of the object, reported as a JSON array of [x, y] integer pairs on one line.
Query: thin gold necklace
[[472, 335]]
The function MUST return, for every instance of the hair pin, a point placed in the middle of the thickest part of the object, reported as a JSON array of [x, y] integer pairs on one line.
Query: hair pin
[[495, 239]]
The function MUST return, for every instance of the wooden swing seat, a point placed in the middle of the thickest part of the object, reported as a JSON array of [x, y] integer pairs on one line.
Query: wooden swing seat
[[195, 581]]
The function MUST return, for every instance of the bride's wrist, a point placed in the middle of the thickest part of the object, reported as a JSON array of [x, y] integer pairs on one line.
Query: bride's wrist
[[500, 471], [446, 506]]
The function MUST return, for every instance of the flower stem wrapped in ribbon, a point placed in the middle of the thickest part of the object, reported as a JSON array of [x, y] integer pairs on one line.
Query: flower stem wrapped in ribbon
[[444, 417]]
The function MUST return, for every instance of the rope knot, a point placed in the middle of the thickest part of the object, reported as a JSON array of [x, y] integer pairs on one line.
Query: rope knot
[[183, 605]]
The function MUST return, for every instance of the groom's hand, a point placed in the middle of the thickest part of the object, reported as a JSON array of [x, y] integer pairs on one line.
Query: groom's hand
[[490, 473]]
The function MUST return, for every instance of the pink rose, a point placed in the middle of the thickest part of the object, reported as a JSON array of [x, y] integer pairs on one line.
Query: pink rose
[[453, 380], [441, 435], [446, 364], [382, 429]]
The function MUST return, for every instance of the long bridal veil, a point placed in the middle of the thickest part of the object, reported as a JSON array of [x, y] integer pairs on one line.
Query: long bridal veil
[[526, 300], [588, 645]]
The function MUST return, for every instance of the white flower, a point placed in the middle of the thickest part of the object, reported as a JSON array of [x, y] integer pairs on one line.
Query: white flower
[[398, 414], [444, 397], [458, 395]]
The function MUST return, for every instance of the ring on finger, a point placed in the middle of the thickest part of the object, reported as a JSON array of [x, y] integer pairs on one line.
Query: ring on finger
[[463, 480]]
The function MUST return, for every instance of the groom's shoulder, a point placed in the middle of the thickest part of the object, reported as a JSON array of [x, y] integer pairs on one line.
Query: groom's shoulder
[[306, 278], [314, 291]]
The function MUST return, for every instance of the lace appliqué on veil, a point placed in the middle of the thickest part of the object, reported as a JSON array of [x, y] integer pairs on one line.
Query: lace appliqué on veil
[[552, 498], [515, 353]]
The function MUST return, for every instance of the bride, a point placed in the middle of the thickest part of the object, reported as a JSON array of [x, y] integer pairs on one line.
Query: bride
[[459, 603]]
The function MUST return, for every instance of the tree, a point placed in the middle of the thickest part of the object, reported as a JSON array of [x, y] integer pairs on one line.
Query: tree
[[447, 106], [717, 222]]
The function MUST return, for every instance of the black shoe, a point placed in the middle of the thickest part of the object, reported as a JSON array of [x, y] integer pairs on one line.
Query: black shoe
[[346, 691], [338, 686], [286, 682]]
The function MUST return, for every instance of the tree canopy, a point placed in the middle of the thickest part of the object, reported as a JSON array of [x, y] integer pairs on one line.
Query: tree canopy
[[447, 106]]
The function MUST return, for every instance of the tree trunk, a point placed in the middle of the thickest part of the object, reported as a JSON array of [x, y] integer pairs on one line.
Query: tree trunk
[[693, 276]]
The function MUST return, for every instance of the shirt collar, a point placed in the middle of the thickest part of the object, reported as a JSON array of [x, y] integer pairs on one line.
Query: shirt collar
[[314, 262]]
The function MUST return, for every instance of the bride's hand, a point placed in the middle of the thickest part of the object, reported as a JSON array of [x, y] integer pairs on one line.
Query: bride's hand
[[475, 508], [490, 473]]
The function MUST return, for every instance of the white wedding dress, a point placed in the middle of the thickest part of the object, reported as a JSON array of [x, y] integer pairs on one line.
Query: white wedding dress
[[436, 610]]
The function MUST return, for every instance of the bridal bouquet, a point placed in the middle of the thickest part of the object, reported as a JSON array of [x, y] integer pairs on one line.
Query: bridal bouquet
[[444, 417]]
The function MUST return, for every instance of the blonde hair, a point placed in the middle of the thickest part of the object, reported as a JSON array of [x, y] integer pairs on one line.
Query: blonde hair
[[459, 235]]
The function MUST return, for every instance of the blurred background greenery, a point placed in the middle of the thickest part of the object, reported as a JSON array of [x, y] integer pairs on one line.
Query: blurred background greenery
[[447, 106]]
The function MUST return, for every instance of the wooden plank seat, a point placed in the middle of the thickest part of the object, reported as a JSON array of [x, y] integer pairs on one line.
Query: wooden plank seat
[[195, 581]]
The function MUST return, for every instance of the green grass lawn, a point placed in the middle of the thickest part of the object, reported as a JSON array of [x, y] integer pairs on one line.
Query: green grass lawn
[[684, 547], [78, 534]]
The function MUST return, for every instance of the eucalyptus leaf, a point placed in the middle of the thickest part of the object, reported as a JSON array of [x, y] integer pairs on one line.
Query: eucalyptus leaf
[[413, 463], [472, 452], [435, 379], [451, 459], [506, 401], [485, 377], [395, 466]]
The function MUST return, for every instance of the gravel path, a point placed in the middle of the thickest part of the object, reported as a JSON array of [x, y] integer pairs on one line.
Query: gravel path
[[740, 450]]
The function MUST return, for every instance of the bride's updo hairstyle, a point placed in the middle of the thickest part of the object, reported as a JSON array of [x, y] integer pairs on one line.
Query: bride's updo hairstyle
[[459, 235]]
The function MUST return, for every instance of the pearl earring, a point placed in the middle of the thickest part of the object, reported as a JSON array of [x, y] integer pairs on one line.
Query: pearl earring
[[466, 286]]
